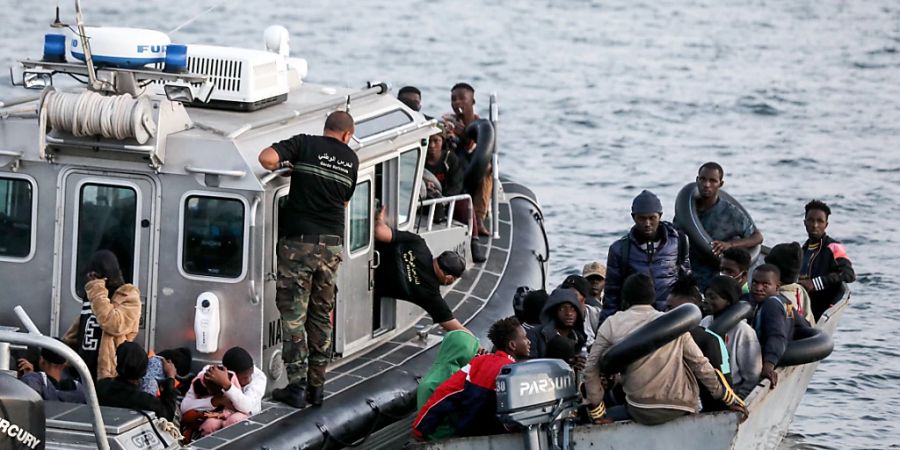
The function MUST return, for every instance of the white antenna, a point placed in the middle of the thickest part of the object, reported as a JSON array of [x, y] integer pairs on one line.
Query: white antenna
[[197, 16]]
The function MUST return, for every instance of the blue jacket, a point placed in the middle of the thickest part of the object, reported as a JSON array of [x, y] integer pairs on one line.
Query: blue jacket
[[660, 262]]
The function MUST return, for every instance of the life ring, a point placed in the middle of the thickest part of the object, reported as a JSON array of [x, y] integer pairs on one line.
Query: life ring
[[482, 132], [649, 337], [686, 219], [811, 345], [732, 315]]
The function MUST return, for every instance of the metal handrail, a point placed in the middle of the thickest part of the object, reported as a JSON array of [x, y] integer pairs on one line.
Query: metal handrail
[[494, 116], [451, 200], [220, 172], [38, 340]]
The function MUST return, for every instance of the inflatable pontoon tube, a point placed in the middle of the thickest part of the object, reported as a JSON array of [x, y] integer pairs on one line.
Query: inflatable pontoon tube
[[649, 337], [687, 220], [811, 345], [730, 317]]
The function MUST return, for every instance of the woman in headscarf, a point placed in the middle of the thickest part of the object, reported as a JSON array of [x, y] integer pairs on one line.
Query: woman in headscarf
[[110, 314]]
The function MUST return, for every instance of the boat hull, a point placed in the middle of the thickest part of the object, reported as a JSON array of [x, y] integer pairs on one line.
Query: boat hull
[[771, 412]]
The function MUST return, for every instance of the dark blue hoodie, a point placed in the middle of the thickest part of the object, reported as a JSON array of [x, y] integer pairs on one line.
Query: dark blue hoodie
[[541, 335]]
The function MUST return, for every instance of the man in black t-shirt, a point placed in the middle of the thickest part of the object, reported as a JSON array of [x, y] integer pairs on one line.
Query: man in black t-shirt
[[408, 271], [323, 178]]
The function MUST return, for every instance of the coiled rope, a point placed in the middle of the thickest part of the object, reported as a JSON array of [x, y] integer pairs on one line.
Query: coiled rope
[[91, 114]]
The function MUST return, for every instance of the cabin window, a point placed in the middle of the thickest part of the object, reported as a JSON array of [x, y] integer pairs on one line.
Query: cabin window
[[367, 128], [16, 217], [409, 165], [213, 244], [107, 220], [360, 217]]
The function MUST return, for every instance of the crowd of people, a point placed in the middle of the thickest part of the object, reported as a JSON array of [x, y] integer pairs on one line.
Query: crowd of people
[[127, 376], [652, 269]]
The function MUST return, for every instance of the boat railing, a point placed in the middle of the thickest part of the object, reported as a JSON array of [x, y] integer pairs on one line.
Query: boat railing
[[34, 338], [494, 116], [450, 201]]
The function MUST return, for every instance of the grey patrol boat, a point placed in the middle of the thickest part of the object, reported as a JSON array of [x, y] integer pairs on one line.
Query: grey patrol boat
[[154, 157]]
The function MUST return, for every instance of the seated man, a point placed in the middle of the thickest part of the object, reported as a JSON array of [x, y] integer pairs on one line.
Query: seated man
[[736, 264], [466, 404], [826, 266], [743, 346], [788, 258], [661, 386], [711, 344], [595, 273], [562, 316], [651, 246], [124, 391], [725, 223], [775, 319], [442, 163], [409, 272], [590, 313], [221, 396], [51, 381]]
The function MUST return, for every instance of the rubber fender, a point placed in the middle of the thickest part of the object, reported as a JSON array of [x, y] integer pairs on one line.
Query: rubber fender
[[649, 337], [482, 132], [688, 221], [730, 317], [809, 345]]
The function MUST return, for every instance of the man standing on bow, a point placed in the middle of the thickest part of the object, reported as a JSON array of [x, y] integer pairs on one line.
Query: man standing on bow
[[323, 179]]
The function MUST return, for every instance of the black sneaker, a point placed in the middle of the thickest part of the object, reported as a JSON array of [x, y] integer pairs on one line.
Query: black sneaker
[[315, 395], [291, 395]]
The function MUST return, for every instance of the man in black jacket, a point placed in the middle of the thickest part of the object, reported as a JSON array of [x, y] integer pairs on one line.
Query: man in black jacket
[[775, 318], [653, 247], [826, 266], [124, 391]]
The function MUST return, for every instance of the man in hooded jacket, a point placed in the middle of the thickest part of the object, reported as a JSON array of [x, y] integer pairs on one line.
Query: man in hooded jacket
[[562, 316]]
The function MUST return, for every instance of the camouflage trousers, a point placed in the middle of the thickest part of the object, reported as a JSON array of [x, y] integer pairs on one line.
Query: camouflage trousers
[[305, 291]]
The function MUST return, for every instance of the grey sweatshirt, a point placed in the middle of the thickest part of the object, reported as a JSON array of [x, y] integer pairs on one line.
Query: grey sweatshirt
[[745, 356]]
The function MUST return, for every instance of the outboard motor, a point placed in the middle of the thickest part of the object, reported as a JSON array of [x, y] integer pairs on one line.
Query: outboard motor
[[533, 395], [22, 421]]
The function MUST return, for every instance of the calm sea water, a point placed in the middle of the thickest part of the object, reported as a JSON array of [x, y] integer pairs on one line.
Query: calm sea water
[[797, 99]]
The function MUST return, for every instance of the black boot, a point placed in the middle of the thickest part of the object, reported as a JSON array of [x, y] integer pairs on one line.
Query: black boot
[[315, 395], [293, 395]]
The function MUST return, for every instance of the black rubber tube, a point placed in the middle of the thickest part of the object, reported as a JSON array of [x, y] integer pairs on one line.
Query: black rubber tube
[[730, 317], [649, 337], [809, 345], [482, 132], [687, 220]]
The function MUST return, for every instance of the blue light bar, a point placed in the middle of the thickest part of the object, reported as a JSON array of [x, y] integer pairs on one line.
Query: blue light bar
[[54, 48], [176, 58]]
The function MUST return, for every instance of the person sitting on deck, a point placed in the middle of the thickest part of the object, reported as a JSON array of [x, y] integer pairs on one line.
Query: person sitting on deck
[[775, 319], [711, 344], [124, 391], [51, 382], [595, 273], [562, 316], [725, 223], [736, 264], [408, 271], [457, 348], [443, 165], [662, 385], [180, 357], [743, 346], [826, 266], [788, 258], [590, 313], [466, 404], [651, 246], [223, 395]]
